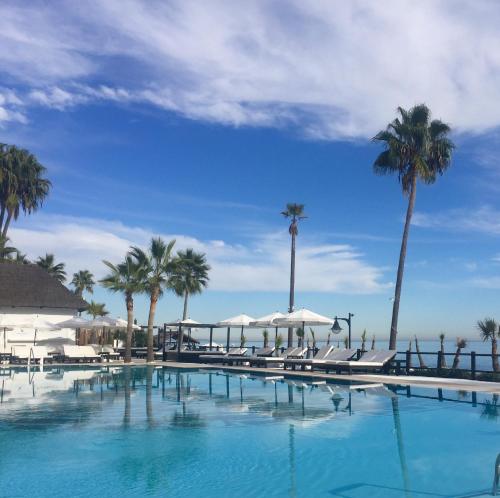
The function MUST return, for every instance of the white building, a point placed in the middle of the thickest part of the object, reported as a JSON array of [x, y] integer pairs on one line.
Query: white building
[[29, 299]]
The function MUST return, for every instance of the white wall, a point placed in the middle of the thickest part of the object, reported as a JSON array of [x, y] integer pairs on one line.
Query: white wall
[[25, 335]]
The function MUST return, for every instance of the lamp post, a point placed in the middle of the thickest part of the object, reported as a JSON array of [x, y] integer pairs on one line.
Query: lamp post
[[336, 328]]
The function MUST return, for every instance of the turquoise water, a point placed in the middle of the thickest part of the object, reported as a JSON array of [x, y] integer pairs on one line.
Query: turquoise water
[[158, 432]]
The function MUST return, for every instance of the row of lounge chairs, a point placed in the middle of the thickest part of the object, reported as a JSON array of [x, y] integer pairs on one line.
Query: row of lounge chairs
[[327, 358], [21, 354]]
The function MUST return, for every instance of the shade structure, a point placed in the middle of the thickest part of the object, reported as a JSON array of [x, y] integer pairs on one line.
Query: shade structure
[[31, 322], [267, 320], [118, 323], [235, 321], [76, 322], [303, 317]]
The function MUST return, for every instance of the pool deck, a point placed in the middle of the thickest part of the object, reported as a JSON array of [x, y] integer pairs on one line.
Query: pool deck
[[429, 382]]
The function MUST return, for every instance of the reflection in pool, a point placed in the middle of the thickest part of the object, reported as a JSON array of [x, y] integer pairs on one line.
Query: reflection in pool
[[160, 432]]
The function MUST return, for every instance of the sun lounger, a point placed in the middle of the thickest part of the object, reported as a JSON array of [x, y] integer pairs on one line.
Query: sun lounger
[[259, 353], [218, 358], [40, 354], [278, 360], [334, 357], [303, 362], [106, 352], [369, 361], [77, 354]]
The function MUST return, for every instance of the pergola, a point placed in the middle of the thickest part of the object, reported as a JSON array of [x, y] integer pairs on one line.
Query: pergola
[[179, 325]]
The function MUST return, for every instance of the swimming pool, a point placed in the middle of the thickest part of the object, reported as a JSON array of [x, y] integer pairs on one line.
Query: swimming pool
[[147, 431]]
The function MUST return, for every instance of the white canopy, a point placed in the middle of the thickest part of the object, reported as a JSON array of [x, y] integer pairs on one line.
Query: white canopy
[[237, 321], [118, 323], [267, 321], [76, 322], [301, 318]]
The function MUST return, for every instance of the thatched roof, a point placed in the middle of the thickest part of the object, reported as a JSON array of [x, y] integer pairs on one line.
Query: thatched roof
[[29, 286]]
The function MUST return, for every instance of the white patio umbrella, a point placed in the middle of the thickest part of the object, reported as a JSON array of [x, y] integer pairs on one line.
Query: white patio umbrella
[[303, 317], [268, 321], [33, 322], [235, 321], [118, 323], [75, 322]]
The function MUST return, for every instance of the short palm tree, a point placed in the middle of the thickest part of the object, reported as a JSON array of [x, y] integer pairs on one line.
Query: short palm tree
[[461, 344], [7, 252], [300, 334], [294, 212], [265, 336], [373, 343], [488, 328], [190, 275], [278, 343], [127, 278], [83, 280], [158, 266], [55, 269], [363, 341], [21, 258], [443, 357], [22, 184], [96, 309], [415, 148]]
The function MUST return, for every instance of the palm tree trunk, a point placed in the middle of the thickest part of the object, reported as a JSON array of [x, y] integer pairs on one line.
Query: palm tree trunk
[[494, 357], [292, 289], [419, 354], [2, 216], [7, 223], [151, 319], [401, 265], [185, 310], [456, 359], [129, 300]]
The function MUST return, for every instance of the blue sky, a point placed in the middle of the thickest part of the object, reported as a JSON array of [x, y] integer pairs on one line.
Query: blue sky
[[152, 122]]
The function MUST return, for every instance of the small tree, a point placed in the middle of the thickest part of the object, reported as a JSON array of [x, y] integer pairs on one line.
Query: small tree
[[461, 344], [363, 341], [443, 360], [265, 335], [488, 329], [328, 338], [300, 335], [278, 343], [346, 342], [373, 342], [243, 340]]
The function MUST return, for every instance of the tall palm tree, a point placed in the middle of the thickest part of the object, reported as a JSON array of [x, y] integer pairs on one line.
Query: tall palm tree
[[441, 346], [96, 309], [22, 184], [415, 148], [190, 275], [158, 266], [294, 212], [127, 278], [488, 328], [83, 280], [55, 269]]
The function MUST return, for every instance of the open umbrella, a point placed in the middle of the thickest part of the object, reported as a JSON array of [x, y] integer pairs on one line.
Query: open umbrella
[[301, 318], [268, 321], [235, 321], [75, 322]]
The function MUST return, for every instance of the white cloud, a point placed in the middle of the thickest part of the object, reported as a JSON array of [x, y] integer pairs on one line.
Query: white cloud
[[332, 68], [261, 265], [484, 219]]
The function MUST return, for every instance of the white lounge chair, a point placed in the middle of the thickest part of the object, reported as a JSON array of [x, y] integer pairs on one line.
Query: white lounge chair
[[218, 358], [279, 359], [369, 361], [80, 354], [259, 353], [304, 362]]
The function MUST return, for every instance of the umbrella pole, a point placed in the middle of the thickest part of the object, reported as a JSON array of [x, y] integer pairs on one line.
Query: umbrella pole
[[228, 336], [241, 337], [211, 336]]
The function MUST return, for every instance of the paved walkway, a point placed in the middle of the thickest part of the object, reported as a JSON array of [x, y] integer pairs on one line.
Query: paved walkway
[[430, 382]]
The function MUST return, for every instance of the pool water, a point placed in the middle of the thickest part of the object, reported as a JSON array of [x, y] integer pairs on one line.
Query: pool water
[[122, 432]]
